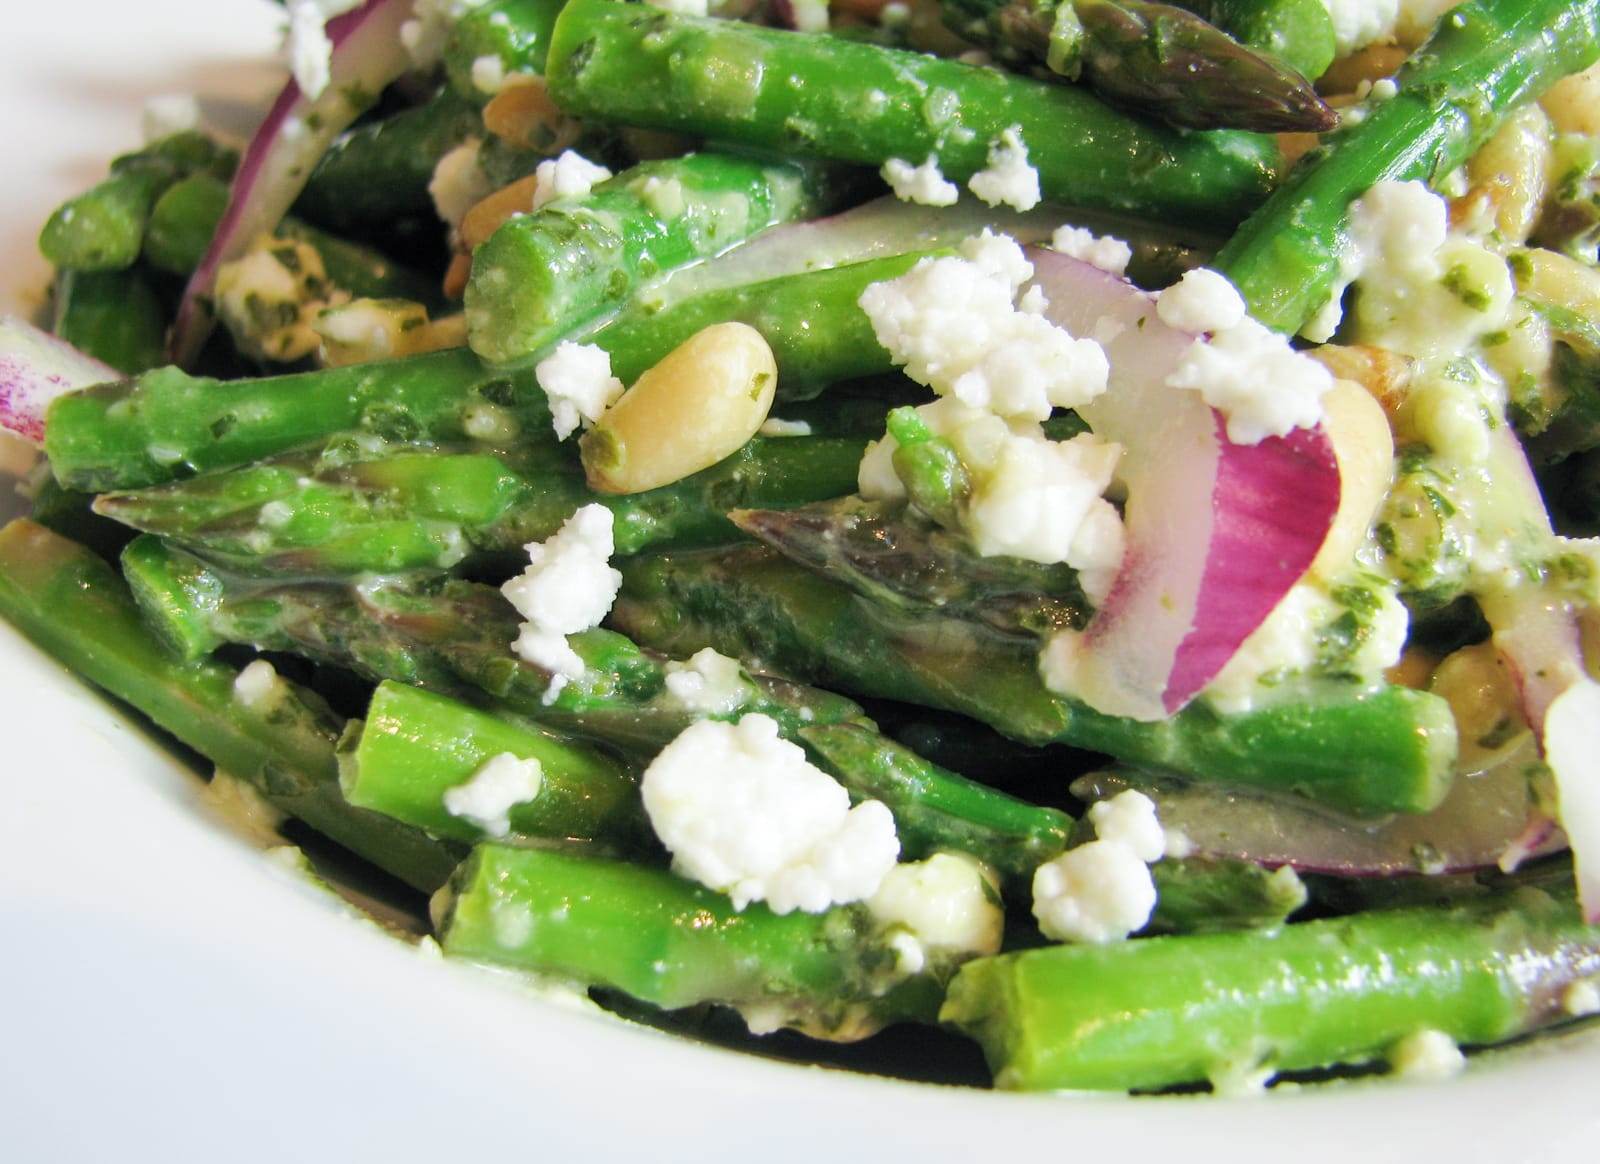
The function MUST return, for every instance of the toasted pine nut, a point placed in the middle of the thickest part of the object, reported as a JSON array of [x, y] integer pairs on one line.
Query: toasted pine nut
[[1384, 374], [1364, 448], [1481, 694], [1509, 175], [1557, 279], [701, 403], [1573, 103], [494, 211], [456, 276], [523, 115]]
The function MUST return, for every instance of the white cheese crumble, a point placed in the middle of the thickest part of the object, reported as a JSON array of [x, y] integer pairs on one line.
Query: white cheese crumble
[[1581, 998], [1201, 301], [269, 298], [577, 378], [1031, 497], [1008, 178], [744, 812], [1358, 23], [1427, 1055], [567, 587], [953, 323], [424, 35], [774, 427], [682, 7], [1099, 892], [1129, 819], [258, 687], [306, 42], [1103, 251], [459, 183], [710, 683], [168, 114], [1261, 385], [488, 73], [809, 15], [947, 905], [571, 175], [923, 184], [488, 796]]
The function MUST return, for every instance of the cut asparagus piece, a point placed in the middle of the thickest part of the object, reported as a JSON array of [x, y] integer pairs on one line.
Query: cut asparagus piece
[[514, 34], [74, 607], [1156, 58], [1485, 58], [671, 943], [856, 102], [1164, 1011], [308, 515], [415, 746], [166, 423], [115, 316], [544, 274], [1197, 895], [1366, 753]]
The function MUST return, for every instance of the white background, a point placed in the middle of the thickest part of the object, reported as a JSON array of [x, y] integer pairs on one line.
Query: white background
[[165, 993]]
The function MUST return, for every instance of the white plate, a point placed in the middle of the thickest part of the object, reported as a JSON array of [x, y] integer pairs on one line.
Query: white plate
[[165, 992]]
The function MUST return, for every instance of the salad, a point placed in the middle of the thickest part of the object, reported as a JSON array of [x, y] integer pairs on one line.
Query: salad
[[1062, 522]]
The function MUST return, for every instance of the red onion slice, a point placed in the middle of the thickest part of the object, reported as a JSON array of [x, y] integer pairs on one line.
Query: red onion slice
[[367, 57], [1217, 533], [35, 368]]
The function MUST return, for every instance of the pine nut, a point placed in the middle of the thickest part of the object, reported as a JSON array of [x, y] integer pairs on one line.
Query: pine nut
[[1364, 448]]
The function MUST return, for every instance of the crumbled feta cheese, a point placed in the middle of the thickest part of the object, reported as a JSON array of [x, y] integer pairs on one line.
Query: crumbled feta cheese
[[1008, 178], [459, 183], [571, 175], [1384, 89], [488, 796], [488, 73], [1261, 385], [809, 15], [1427, 1055], [923, 184], [258, 687], [774, 427], [306, 42], [947, 903], [1176, 845], [1358, 23], [240, 805], [709, 683], [424, 35], [577, 378], [952, 322], [567, 587], [1103, 251], [682, 7], [1099, 892], [270, 296], [1201, 301], [1581, 998], [1129, 818], [745, 813], [169, 114], [664, 196]]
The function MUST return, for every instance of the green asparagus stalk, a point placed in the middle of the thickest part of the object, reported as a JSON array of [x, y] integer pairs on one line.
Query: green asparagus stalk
[[1485, 58], [515, 33], [1298, 32], [115, 316], [379, 172], [857, 102], [74, 607], [1390, 750], [672, 944], [309, 515], [414, 746], [1163, 1011], [103, 228], [911, 566], [166, 424], [1157, 58], [544, 274], [1197, 895], [186, 216]]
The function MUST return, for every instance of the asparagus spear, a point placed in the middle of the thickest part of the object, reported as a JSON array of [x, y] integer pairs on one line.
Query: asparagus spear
[[888, 556], [857, 102], [1390, 750], [1297, 32], [1485, 58], [671, 943], [103, 228], [543, 274], [1157, 58], [379, 172], [1163, 1011], [1197, 895], [414, 746], [165, 423], [513, 33], [115, 316], [309, 515], [73, 606], [186, 216]]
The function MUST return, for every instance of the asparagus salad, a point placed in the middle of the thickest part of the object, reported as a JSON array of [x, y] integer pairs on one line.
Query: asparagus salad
[[1058, 525]]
